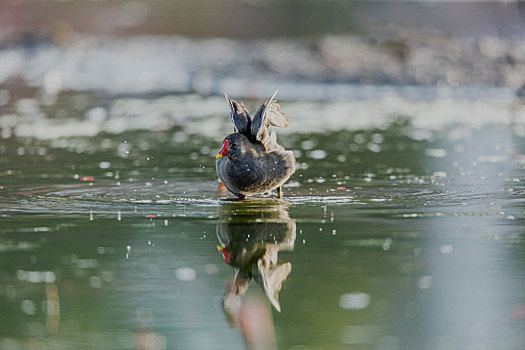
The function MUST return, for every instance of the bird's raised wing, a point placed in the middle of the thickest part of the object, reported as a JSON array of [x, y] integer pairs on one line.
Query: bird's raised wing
[[269, 114], [271, 276], [240, 116]]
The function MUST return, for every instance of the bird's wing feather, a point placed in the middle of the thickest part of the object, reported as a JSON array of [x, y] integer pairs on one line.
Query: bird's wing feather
[[269, 114], [239, 114]]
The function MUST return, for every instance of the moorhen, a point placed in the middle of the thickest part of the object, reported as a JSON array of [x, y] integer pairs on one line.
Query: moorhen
[[251, 161]]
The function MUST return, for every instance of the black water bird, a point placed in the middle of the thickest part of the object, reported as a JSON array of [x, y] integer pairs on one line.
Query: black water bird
[[251, 161]]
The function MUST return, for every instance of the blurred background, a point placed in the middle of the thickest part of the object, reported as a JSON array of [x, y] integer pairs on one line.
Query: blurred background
[[205, 46], [403, 227]]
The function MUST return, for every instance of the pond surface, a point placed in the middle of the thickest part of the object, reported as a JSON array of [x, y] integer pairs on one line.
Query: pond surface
[[403, 227]]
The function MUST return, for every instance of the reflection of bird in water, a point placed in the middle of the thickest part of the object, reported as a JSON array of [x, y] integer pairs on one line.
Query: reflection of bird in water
[[249, 240], [251, 161]]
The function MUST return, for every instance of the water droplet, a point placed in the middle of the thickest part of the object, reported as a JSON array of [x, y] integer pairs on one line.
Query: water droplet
[[144, 317], [307, 144], [354, 301], [104, 165], [185, 274], [436, 152], [28, 307], [95, 282], [425, 282], [446, 249], [317, 154]]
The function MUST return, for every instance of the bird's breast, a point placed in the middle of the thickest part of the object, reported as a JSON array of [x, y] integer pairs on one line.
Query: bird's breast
[[255, 174]]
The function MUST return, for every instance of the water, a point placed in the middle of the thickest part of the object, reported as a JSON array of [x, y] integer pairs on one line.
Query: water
[[401, 229]]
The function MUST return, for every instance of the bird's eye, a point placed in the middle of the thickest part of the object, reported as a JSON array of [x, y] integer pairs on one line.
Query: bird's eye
[[234, 145]]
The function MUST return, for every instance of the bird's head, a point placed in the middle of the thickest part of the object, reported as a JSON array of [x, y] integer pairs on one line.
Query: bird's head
[[233, 146]]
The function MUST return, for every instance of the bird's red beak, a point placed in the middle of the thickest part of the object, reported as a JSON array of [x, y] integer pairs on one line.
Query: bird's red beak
[[224, 150]]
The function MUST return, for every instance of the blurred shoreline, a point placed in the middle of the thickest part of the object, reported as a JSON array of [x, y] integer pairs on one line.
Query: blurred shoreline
[[205, 47], [173, 64]]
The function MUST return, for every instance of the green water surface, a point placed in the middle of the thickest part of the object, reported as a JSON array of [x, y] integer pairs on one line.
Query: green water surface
[[394, 241]]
